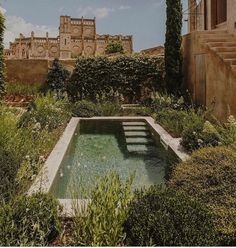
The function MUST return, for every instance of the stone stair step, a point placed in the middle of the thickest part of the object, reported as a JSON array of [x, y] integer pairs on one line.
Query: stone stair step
[[222, 31], [230, 61], [137, 134], [135, 128], [226, 39], [145, 149], [222, 44], [224, 49], [228, 55], [131, 123], [138, 140]]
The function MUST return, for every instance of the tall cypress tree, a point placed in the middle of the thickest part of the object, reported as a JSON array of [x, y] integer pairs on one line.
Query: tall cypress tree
[[173, 55], [2, 64]]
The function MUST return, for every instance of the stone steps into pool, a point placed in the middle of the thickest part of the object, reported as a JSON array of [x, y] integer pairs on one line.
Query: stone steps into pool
[[142, 149], [132, 123], [135, 128], [138, 138]]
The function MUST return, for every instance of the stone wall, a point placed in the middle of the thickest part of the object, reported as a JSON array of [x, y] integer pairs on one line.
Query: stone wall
[[210, 81], [31, 71]]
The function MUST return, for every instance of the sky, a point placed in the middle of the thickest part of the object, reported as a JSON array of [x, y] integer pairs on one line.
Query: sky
[[144, 19]]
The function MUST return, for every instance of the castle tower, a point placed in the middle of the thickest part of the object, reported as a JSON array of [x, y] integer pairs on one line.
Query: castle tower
[[65, 37]]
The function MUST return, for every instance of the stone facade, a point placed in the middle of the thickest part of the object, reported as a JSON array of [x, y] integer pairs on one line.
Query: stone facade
[[212, 14], [158, 51], [76, 37], [209, 55]]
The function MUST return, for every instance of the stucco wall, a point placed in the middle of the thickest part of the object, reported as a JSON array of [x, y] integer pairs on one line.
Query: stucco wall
[[31, 71], [220, 81]]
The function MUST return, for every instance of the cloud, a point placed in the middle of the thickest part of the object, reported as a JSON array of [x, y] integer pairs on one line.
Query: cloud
[[61, 9], [2, 10], [124, 7], [16, 25], [99, 13]]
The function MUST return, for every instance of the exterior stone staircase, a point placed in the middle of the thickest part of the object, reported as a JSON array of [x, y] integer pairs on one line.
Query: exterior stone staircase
[[139, 139], [222, 43]]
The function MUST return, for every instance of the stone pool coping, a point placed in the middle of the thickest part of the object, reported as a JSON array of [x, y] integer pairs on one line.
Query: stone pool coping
[[45, 179]]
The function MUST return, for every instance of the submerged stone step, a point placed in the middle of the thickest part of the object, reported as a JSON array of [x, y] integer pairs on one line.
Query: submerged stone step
[[132, 123], [146, 149], [137, 134], [135, 128], [138, 140]]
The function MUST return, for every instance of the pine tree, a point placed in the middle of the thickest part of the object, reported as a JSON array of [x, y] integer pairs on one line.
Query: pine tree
[[2, 64], [173, 55], [57, 78]]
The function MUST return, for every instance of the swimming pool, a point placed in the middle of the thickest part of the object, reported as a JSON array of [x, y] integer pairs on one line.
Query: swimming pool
[[100, 147], [96, 146]]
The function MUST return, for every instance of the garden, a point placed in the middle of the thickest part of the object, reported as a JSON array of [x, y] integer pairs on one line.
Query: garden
[[195, 207]]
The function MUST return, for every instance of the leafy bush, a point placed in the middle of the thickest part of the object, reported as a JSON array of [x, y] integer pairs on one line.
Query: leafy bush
[[86, 109], [163, 101], [124, 75], [199, 134], [210, 176], [8, 170], [114, 47], [172, 120], [161, 217], [57, 78], [48, 113], [102, 224], [30, 221], [110, 108]]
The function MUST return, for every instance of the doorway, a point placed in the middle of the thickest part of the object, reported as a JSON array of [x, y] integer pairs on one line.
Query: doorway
[[218, 12]]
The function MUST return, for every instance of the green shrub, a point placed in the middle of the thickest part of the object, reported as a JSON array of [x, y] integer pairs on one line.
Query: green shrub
[[49, 113], [161, 217], [227, 131], [172, 120], [210, 176], [8, 171], [86, 109], [114, 47], [102, 225], [125, 76], [198, 135], [110, 108], [57, 78], [30, 221]]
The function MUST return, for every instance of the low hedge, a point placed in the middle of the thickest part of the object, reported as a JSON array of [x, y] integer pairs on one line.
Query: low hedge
[[29, 221], [210, 176], [161, 217]]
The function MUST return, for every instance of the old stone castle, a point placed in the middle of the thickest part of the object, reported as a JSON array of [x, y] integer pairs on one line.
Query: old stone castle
[[76, 37]]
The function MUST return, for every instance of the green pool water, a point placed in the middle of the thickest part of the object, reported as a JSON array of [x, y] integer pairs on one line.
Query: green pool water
[[101, 147]]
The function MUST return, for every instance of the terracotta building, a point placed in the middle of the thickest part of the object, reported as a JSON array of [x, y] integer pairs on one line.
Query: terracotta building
[[76, 37], [209, 51]]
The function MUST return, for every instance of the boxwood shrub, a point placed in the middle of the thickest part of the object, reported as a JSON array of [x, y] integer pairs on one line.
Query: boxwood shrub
[[210, 176], [161, 217], [29, 221]]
